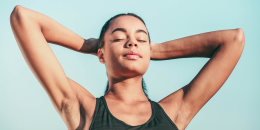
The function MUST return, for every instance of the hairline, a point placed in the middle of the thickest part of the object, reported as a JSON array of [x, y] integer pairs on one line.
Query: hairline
[[138, 30], [108, 24]]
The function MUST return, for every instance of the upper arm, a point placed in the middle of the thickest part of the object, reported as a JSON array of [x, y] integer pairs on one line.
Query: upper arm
[[71, 100], [40, 57], [187, 101]]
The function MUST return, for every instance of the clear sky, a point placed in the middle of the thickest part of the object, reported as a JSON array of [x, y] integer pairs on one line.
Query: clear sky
[[26, 106]]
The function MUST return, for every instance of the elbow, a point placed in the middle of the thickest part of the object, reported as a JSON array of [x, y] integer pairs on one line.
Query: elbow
[[239, 39], [240, 36], [236, 40], [17, 15]]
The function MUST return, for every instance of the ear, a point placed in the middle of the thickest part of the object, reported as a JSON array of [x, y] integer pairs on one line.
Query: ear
[[100, 55]]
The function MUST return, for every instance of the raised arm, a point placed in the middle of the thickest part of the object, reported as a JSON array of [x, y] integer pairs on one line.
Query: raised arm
[[224, 49], [33, 31]]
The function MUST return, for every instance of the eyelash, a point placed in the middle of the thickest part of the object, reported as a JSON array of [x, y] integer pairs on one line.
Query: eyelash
[[116, 40], [142, 40]]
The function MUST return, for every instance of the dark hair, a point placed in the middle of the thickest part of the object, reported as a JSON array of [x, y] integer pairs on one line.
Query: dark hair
[[101, 42]]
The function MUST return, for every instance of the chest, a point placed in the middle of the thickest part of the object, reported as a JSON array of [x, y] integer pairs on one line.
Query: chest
[[133, 115]]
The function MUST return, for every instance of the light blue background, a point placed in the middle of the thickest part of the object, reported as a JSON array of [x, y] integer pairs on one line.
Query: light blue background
[[26, 106]]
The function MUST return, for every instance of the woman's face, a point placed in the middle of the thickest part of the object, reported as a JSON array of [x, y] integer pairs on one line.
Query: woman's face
[[126, 51]]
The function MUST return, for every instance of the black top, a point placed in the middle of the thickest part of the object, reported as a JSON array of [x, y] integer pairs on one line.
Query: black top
[[104, 120]]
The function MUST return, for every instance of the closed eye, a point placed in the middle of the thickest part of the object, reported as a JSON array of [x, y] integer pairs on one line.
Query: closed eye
[[141, 40], [117, 40]]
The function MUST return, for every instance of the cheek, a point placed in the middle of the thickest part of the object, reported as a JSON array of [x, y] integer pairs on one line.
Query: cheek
[[112, 53], [146, 56], [146, 50]]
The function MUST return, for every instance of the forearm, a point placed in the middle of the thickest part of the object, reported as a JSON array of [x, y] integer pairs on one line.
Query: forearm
[[200, 45], [52, 31]]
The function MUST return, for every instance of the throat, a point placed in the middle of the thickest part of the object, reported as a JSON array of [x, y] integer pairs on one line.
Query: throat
[[128, 90]]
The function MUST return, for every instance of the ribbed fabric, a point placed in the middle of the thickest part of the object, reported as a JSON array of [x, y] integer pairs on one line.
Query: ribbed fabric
[[104, 120]]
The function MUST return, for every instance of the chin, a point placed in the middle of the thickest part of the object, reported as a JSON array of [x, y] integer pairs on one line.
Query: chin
[[129, 68], [133, 70]]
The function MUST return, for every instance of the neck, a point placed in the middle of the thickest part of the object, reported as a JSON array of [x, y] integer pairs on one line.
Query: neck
[[126, 89]]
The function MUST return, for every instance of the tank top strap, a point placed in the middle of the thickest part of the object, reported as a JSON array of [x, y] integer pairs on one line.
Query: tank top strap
[[95, 115]]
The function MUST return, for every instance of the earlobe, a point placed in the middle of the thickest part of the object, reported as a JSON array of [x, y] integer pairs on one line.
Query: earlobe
[[101, 55]]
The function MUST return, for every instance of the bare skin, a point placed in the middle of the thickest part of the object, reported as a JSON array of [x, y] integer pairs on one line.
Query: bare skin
[[33, 31]]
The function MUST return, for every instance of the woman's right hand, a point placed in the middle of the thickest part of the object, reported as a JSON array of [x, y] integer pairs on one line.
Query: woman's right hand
[[90, 46]]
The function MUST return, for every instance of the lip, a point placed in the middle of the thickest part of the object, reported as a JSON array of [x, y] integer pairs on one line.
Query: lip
[[132, 55]]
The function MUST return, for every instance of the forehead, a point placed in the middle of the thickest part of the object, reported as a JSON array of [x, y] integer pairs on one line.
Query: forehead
[[127, 22]]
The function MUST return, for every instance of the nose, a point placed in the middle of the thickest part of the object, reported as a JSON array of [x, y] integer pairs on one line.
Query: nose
[[131, 43]]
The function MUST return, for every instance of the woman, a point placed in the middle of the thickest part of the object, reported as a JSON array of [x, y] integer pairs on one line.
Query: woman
[[125, 48]]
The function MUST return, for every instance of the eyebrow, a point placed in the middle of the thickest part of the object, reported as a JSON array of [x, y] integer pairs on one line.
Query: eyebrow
[[124, 30]]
